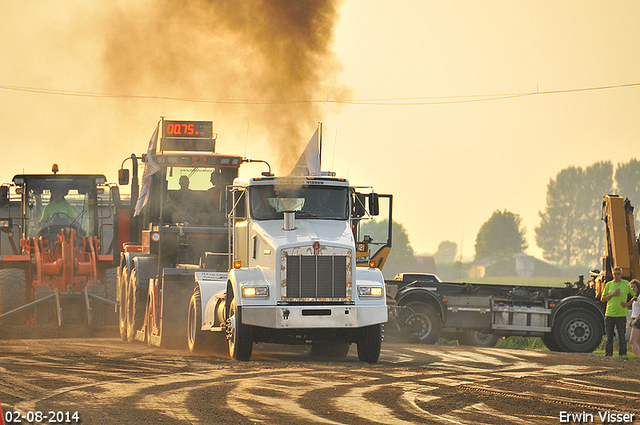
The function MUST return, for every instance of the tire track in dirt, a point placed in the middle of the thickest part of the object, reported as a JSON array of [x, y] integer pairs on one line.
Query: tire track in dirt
[[411, 384]]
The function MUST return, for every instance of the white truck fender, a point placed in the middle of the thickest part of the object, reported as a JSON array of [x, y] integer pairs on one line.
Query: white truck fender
[[212, 288]]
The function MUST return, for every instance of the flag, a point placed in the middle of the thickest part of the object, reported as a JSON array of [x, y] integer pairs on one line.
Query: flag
[[150, 168], [309, 162]]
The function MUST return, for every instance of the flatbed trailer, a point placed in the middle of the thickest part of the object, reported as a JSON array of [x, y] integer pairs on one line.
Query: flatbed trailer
[[569, 318]]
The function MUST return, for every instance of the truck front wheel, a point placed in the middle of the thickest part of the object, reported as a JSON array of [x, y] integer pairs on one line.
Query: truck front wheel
[[239, 338], [370, 343], [423, 322], [578, 331]]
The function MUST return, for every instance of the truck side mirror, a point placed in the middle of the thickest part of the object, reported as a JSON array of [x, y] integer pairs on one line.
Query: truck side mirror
[[358, 208], [374, 205], [123, 176], [4, 196]]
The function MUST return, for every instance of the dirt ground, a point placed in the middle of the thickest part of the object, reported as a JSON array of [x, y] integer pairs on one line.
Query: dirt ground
[[108, 381]]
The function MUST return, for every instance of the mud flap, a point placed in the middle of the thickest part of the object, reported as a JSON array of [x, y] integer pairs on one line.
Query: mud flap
[[176, 290]]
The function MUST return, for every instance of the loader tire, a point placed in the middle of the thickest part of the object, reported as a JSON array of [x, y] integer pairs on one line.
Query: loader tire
[[136, 305], [239, 335], [370, 343], [13, 294], [123, 284], [111, 283], [199, 341]]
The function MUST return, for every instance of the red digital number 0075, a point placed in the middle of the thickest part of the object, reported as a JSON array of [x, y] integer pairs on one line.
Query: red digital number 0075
[[181, 129]]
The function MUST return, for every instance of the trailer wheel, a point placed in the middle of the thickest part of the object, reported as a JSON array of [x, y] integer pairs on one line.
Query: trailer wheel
[[199, 341], [370, 343], [578, 332], [239, 338], [136, 303], [423, 321], [478, 339], [13, 294], [122, 307], [329, 350]]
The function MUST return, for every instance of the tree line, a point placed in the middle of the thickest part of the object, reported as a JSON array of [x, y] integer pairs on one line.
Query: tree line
[[571, 230]]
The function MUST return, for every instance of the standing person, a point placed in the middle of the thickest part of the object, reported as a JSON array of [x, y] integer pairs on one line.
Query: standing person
[[635, 317], [615, 294]]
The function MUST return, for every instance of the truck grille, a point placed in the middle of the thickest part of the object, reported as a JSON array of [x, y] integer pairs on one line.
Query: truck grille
[[316, 277]]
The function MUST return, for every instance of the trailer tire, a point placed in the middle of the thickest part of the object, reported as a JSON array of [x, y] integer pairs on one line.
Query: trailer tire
[[122, 306], [423, 320], [136, 305], [199, 341], [239, 336], [578, 332], [13, 294], [478, 339], [370, 343], [329, 350]]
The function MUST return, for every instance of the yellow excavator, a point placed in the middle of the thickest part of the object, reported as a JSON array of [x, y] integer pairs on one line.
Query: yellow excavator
[[622, 246]]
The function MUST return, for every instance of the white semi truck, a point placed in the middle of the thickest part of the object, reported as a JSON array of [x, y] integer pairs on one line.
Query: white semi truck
[[267, 259]]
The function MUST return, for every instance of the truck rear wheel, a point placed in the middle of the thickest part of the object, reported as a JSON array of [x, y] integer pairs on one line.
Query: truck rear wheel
[[199, 341], [13, 294], [122, 307], [136, 304], [578, 331], [478, 339], [549, 341], [239, 338], [423, 321], [370, 343]]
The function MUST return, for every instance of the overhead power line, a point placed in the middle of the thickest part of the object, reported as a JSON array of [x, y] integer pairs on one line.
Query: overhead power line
[[398, 101]]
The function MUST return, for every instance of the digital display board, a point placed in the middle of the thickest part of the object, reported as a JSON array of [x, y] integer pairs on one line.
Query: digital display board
[[187, 136], [188, 129]]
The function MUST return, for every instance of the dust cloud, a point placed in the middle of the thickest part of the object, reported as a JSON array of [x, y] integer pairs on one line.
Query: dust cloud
[[276, 57]]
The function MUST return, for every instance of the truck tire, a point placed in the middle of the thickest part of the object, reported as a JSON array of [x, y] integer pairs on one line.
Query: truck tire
[[13, 294], [578, 331], [199, 341], [239, 337], [423, 321], [329, 350], [136, 305], [549, 341], [370, 343], [122, 306], [478, 339]]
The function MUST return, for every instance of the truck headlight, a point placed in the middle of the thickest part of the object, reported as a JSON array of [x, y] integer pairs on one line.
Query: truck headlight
[[370, 291], [255, 291]]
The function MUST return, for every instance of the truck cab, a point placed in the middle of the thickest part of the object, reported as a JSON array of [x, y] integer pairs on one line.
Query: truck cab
[[294, 278]]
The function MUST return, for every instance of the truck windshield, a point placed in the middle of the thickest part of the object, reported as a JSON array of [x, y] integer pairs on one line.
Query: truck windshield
[[270, 202]]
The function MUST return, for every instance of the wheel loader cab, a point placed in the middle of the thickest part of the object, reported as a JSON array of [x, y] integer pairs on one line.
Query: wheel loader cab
[[52, 203]]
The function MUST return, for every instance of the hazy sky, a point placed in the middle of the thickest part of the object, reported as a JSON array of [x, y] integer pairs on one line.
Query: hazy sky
[[447, 136]]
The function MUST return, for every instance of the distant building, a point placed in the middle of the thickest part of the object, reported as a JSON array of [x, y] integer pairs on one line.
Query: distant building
[[520, 265]]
